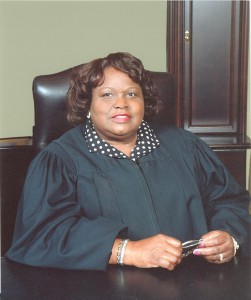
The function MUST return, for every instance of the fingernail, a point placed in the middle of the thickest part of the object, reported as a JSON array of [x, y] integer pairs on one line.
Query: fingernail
[[196, 252], [202, 245]]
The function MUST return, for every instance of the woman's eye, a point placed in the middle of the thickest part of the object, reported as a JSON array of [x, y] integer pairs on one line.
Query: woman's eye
[[131, 94], [107, 95]]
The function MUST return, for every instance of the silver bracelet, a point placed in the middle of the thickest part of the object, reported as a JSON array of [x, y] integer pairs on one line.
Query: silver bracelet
[[121, 251], [236, 246]]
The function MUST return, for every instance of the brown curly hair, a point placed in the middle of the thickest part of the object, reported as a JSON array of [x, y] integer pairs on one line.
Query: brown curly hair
[[87, 77]]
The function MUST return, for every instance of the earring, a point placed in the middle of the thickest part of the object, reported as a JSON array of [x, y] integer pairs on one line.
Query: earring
[[88, 115]]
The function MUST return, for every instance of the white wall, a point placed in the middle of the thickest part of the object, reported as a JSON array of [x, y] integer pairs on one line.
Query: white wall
[[43, 37]]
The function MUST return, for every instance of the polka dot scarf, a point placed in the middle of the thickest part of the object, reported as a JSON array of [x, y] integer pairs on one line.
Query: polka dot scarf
[[146, 142]]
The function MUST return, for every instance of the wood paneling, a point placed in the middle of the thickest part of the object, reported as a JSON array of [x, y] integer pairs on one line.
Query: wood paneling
[[210, 69]]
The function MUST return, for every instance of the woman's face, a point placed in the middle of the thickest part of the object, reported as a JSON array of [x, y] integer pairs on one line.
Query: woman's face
[[117, 107]]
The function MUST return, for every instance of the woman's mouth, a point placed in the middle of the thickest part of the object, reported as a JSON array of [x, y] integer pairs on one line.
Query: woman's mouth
[[121, 118]]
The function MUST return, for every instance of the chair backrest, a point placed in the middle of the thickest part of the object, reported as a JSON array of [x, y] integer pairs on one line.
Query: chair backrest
[[50, 91]]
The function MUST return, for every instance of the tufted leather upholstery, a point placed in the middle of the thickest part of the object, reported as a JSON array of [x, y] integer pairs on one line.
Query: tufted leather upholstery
[[49, 92]]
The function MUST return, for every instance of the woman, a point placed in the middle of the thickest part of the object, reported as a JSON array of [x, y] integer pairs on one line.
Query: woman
[[113, 191]]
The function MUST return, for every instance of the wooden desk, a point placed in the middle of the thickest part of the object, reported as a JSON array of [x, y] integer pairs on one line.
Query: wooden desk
[[193, 279], [15, 157], [232, 151]]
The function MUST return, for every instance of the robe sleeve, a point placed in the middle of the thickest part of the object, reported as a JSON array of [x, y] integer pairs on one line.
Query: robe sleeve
[[226, 203], [51, 229]]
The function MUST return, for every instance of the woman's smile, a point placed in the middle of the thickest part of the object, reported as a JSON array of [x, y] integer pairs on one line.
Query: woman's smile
[[121, 118]]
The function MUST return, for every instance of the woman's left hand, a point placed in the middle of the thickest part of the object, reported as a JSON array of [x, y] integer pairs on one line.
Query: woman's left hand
[[217, 247]]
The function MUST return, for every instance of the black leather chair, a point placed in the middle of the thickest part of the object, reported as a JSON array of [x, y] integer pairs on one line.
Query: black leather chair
[[49, 92]]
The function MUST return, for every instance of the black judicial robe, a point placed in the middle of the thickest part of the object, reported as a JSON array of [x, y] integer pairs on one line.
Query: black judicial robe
[[75, 203]]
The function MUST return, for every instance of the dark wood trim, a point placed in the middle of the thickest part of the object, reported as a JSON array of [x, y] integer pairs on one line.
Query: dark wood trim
[[175, 51], [243, 78], [233, 114], [15, 141], [227, 142]]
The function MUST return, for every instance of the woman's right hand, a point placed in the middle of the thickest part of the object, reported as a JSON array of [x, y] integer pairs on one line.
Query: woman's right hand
[[156, 251]]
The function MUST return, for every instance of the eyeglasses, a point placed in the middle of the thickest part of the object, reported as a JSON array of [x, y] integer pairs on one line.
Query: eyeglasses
[[189, 246]]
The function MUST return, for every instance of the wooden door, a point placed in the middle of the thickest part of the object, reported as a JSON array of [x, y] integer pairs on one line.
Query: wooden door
[[209, 39], [207, 52]]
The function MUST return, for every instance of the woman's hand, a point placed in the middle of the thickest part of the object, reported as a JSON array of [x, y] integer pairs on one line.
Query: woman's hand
[[218, 247], [157, 251]]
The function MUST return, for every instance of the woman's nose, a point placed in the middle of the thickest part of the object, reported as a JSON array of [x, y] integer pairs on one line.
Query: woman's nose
[[121, 102]]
